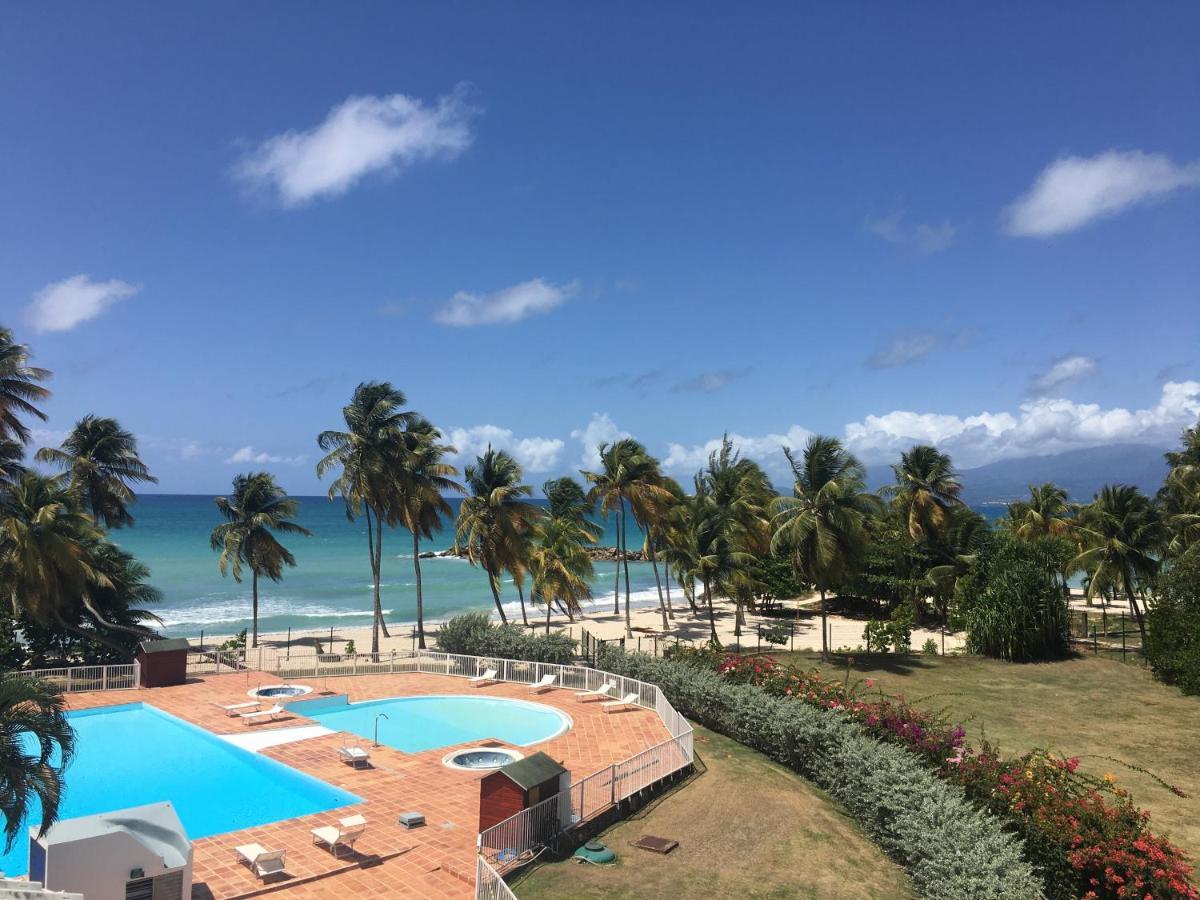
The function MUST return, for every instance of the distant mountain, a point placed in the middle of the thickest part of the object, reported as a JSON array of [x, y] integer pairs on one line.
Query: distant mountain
[[1081, 472]]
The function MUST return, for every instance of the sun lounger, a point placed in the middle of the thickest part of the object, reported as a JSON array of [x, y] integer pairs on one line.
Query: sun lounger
[[344, 834], [236, 709], [262, 862], [488, 677], [618, 705], [263, 715], [604, 692], [355, 756], [542, 683]]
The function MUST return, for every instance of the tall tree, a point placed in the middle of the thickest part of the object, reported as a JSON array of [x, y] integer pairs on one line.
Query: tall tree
[[559, 563], [926, 487], [494, 520], [12, 462], [19, 388], [628, 474], [36, 746], [256, 507], [1123, 537], [102, 462], [423, 478], [1179, 496], [1045, 514], [822, 526], [368, 453]]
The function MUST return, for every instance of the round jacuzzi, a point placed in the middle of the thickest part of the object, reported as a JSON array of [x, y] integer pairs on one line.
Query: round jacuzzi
[[481, 759], [278, 691]]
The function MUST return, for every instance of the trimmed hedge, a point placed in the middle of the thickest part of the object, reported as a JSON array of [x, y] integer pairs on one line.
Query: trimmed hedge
[[474, 634], [951, 849]]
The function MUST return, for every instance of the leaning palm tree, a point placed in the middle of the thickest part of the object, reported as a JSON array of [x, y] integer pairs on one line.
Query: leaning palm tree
[[36, 746], [494, 519], [369, 454], [628, 475], [717, 559], [822, 526], [19, 388], [423, 477], [1123, 536], [101, 460], [559, 564], [256, 507], [1045, 514], [926, 487]]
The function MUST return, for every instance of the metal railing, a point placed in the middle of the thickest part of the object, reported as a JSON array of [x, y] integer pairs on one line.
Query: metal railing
[[488, 883], [78, 679]]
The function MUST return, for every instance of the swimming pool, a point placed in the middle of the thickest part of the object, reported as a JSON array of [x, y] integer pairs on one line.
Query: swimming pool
[[135, 754], [414, 724]]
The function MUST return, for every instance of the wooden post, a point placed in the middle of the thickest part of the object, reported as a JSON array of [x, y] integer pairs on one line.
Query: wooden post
[[1122, 637], [289, 643]]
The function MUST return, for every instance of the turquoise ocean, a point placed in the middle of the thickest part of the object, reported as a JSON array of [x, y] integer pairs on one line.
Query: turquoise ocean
[[331, 583]]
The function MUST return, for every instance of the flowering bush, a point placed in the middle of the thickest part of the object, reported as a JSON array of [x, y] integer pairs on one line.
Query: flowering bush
[[1083, 835]]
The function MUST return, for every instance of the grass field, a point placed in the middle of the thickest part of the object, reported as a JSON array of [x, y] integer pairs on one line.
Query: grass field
[[1085, 707], [746, 828]]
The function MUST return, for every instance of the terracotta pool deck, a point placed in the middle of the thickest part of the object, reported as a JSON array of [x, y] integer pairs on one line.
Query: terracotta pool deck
[[435, 861]]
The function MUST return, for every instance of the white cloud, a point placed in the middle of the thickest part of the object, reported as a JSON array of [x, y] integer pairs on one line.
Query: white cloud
[[247, 454], [1041, 427], [361, 136], [920, 237], [64, 304], [766, 450], [529, 298], [1073, 191], [535, 454], [600, 429], [1066, 370], [905, 349]]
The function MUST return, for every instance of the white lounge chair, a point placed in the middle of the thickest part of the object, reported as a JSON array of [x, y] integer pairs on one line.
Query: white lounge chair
[[263, 715], [604, 692], [344, 834], [263, 862], [488, 677], [543, 683], [355, 756], [618, 705], [236, 709]]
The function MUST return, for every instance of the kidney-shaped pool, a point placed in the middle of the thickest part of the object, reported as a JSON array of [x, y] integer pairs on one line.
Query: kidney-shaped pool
[[414, 724]]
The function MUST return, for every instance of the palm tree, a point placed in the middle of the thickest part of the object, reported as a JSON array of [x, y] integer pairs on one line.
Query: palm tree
[[493, 520], [955, 552], [926, 487], [559, 563], [1123, 535], [628, 475], [256, 507], [101, 460], [369, 454], [36, 746], [19, 388], [822, 526], [423, 477], [12, 462], [1179, 495], [715, 556], [1045, 514]]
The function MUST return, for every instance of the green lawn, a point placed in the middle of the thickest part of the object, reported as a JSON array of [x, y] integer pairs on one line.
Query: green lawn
[[746, 827], [1085, 707]]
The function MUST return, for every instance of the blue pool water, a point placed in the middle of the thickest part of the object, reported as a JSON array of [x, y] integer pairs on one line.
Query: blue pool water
[[134, 754], [414, 724]]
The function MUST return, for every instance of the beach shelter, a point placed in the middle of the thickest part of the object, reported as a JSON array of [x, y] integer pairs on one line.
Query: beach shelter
[[163, 661]]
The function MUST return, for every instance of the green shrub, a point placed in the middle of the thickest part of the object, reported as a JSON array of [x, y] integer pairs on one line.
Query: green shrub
[[474, 634], [950, 848], [1011, 603], [1173, 625], [892, 635], [930, 647]]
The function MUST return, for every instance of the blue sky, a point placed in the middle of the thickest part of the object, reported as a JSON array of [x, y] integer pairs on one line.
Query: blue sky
[[553, 224]]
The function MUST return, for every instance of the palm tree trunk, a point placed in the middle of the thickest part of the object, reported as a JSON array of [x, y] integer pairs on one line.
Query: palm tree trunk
[[547, 615], [1135, 608], [374, 581], [667, 584], [617, 582], [712, 619], [658, 583], [420, 604], [521, 594], [379, 574], [692, 597], [625, 559], [824, 628], [496, 597], [254, 608]]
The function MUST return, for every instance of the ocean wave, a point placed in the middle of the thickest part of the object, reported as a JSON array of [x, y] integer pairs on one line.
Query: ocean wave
[[221, 613]]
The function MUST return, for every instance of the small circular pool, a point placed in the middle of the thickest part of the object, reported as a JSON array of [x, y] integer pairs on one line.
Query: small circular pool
[[278, 691], [478, 759]]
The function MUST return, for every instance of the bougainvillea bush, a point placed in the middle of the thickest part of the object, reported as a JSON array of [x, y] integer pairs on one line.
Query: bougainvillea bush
[[1083, 834]]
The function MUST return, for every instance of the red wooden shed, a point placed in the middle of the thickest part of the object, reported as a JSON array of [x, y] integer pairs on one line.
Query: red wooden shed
[[164, 661], [517, 786]]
